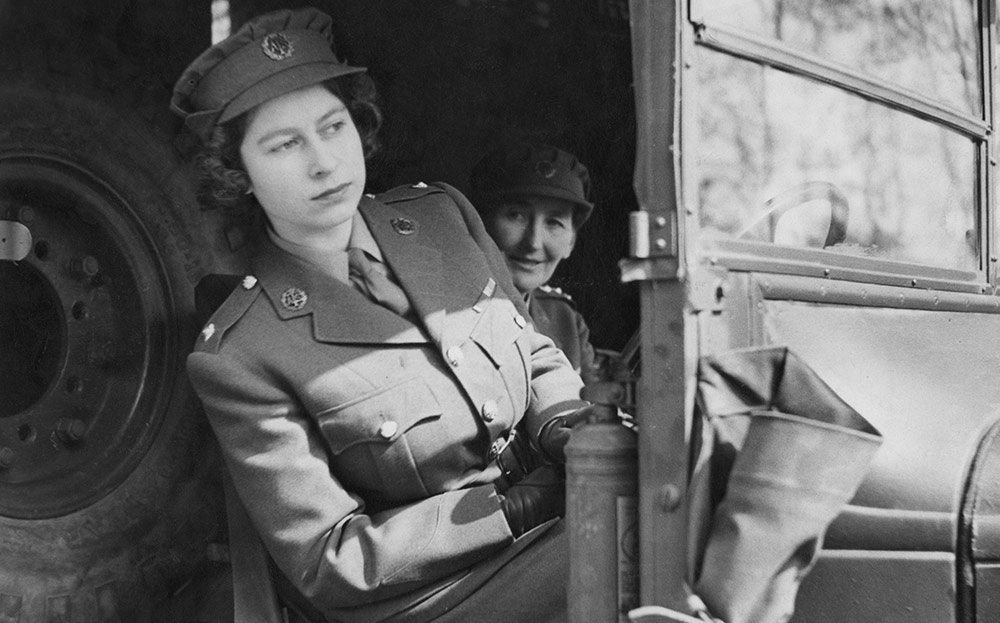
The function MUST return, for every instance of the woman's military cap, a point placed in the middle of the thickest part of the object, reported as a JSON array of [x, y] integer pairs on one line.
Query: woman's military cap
[[525, 169], [270, 55]]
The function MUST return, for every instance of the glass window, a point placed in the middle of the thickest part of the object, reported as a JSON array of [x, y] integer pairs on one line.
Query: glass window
[[928, 46], [787, 160]]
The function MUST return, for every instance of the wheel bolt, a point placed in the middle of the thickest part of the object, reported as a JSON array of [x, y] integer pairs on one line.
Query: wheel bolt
[[86, 266], [6, 457], [25, 214], [71, 430]]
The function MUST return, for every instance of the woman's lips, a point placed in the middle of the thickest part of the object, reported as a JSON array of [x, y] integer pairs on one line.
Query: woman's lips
[[332, 192], [525, 263]]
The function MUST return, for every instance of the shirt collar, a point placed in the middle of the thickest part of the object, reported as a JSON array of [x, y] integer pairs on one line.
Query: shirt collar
[[332, 262]]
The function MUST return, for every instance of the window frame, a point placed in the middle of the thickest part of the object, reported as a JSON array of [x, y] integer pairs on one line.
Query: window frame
[[697, 31]]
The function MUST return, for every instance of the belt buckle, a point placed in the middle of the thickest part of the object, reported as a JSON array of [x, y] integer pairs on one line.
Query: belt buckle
[[499, 445]]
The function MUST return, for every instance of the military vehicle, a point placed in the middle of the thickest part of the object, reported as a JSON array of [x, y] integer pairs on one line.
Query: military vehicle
[[817, 175]]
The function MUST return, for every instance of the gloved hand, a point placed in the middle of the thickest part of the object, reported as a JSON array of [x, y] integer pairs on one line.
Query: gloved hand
[[540, 496], [554, 434]]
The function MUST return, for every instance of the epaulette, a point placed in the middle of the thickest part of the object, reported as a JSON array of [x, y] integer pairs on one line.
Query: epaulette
[[231, 310], [408, 192]]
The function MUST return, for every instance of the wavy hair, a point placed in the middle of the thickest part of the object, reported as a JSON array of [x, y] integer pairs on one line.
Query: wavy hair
[[222, 180]]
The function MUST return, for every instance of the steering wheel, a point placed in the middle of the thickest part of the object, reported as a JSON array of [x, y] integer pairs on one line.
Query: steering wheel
[[780, 204]]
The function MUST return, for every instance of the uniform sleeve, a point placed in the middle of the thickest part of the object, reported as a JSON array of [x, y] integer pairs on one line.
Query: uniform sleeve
[[317, 531], [587, 366], [555, 386]]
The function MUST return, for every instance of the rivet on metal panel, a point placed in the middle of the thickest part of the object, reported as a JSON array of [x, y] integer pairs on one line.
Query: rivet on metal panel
[[661, 243], [670, 498]]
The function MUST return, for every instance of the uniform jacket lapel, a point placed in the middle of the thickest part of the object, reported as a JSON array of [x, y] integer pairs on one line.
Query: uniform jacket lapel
[[437, 265], [339, 312]]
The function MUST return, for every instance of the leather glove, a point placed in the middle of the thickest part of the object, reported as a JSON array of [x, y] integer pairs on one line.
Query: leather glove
[[605, 397], [539, 497], [554, 434]]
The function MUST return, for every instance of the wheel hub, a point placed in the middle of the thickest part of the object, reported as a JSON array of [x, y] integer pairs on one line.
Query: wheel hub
[[84, 351]]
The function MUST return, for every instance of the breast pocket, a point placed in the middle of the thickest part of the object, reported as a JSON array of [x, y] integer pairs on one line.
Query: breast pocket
[[368, 438]]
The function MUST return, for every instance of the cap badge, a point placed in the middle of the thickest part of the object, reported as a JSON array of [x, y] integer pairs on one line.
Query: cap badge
[[294, 299], [545, 168], [403, 226], [277, 47]]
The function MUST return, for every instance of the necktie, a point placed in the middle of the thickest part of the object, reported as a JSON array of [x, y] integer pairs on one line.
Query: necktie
[[370, 278]]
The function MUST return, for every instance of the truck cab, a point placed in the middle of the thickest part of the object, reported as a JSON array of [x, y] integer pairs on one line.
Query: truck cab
[[822, 177]]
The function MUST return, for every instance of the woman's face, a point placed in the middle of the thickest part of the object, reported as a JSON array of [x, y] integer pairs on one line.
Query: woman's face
[[306, 164], [534, 234]]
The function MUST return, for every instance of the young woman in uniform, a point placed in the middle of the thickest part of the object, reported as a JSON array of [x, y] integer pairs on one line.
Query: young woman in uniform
[[364, 377]]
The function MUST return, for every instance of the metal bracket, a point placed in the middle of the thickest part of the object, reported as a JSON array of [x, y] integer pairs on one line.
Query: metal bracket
[[652, 234]]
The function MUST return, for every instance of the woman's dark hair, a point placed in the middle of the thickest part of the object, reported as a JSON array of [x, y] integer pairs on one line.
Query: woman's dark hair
[[222, 178]]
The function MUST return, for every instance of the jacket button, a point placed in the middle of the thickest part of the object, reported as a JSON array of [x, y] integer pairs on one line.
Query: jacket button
[[388, 429], [520, 321], [454, 355], [489, 410]]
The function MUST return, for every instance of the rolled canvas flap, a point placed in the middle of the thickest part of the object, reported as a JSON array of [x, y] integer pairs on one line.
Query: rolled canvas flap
[[781, 454]]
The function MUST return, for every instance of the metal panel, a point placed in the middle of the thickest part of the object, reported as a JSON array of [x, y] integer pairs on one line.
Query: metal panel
[[987, 592], [878, 587], [925, 379]]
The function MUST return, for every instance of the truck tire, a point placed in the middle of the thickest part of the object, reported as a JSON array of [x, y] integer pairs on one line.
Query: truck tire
[[107, 495]]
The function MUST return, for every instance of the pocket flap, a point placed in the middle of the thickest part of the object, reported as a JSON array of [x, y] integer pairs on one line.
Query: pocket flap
[[381, 416]]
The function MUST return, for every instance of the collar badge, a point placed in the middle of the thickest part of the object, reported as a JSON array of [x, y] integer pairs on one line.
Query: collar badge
[[294, 299], [403, 226]]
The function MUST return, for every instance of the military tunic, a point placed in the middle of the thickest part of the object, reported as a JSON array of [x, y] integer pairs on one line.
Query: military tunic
[[359, 441], [555, 315]]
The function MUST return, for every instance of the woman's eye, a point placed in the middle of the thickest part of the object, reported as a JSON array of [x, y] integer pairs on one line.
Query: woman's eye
[[285, 145], [333, 128]]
